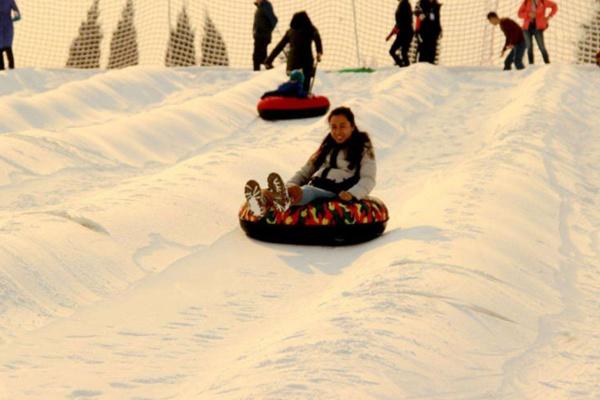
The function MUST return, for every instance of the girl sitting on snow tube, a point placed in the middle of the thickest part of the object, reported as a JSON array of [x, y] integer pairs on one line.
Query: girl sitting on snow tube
[[332, 187], [343, 166]]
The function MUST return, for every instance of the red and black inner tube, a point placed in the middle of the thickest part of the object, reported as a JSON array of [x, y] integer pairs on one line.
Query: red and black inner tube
[[278, 107], [324, 222]]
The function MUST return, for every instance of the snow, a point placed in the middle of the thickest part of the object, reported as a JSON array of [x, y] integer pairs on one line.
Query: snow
[[124, 273]]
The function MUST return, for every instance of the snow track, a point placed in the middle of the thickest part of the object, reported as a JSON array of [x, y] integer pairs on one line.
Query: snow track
[[124, 274]]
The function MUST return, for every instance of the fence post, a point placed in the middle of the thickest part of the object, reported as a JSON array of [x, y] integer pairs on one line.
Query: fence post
[[492, 36], [356, 33], [169, 14]]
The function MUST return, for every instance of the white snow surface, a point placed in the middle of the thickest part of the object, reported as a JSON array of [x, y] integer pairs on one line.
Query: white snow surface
[[124, 273]]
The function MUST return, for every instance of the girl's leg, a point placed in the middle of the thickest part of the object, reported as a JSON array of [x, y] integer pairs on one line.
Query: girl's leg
[[404, 51], [394, 50], [310, 193], [308, 72], [11, 58], [2, 59], [529, 44], [539, 38], [518, 56]]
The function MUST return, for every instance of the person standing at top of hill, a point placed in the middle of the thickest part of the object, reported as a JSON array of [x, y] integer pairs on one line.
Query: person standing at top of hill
[[7, 31], [535, 22], [265, 21], [430, 29], [300, 36], [514, 40], [404, 33]]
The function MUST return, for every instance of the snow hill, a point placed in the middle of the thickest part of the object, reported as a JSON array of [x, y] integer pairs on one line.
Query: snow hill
[[124, 273]]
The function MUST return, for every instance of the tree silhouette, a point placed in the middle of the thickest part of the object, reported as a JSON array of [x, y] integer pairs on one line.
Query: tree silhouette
[[180, 50], [123, 45], [214, 50], [85, 48], [588, 46]]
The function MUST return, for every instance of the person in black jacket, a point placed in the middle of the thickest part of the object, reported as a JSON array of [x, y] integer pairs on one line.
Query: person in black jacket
[[264, 23], [300, 36], [404, 33], [430, 29]]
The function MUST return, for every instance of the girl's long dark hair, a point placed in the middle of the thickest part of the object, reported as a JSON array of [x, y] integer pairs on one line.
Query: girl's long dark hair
[[358, 142], [301, 21]]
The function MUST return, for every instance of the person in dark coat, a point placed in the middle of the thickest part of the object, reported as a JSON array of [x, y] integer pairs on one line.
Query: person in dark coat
[[7, 31], [404, 33], [265, 21], [515, 41], [300, 36], [430, 29]]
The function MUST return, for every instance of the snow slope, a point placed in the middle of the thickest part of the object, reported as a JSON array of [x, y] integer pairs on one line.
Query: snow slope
[[124, 273]]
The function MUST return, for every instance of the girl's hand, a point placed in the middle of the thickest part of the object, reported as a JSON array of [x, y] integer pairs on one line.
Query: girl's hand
[[295, 193], [345, 196]]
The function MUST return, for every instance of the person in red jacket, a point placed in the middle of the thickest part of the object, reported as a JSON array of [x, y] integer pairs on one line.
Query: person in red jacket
[[535, 21], [515, 41]]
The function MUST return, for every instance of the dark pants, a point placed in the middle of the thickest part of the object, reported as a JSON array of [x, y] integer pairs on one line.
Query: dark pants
[[515, 56], [428, 48], [533, 32], [309, 72], [401, 43], [260, 52], [9, 55]]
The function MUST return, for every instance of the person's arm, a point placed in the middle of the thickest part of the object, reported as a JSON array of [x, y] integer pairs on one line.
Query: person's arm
[[506, 46], [13, 5], [505, 30], [278, 49], [394, 31], [523, 14], [268, 9], [368, 173], [319, 44], [303, 175], [553, 6], [15, 8]]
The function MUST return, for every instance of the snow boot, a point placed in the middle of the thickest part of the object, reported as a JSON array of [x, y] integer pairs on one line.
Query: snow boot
[[281, 200], [255, 199]]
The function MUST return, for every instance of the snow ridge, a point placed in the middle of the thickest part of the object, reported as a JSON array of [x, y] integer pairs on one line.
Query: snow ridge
[[122, 266]]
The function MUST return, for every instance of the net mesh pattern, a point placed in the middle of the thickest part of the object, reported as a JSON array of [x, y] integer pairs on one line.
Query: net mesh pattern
[[119, 33]]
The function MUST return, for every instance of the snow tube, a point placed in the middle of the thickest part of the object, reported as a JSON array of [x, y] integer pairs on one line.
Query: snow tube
[[278, 107], [323, 222]]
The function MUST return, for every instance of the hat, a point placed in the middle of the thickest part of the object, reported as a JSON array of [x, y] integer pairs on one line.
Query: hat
[[297, 75]]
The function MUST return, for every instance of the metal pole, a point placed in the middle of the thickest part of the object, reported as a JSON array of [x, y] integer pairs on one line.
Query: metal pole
[[169, 14], [492, 51], [356, 33]]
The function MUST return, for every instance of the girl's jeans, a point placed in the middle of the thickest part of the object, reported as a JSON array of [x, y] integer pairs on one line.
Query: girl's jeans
[[310, 193], [539, 38]]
